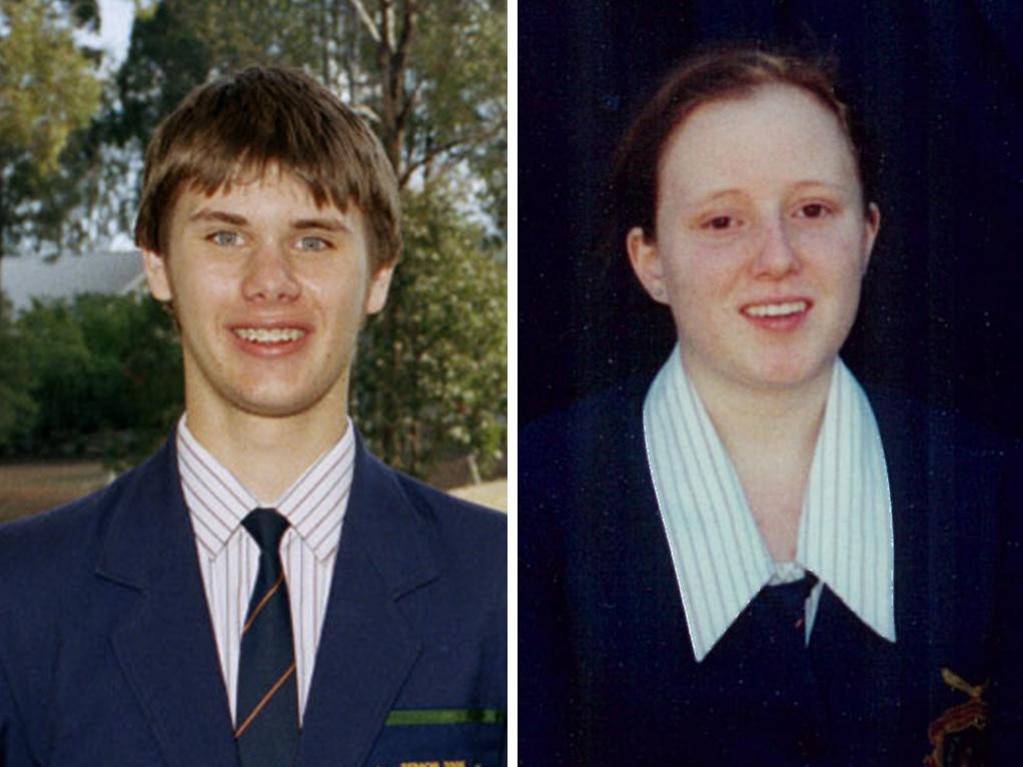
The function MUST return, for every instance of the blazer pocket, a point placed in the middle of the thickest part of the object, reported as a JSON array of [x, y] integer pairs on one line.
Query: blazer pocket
[[441, 738]]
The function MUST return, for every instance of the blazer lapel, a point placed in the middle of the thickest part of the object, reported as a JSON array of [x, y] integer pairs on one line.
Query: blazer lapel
[[367, 648], [167, 650]]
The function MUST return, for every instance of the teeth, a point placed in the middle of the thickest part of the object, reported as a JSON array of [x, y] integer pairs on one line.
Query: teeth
[[777, 310], [269, 335]]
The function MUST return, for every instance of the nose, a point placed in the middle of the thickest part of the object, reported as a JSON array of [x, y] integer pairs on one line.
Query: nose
[[269, 275], [777, 256]]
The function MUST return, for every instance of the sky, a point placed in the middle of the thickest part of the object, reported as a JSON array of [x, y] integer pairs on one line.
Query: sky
[[115, 29]]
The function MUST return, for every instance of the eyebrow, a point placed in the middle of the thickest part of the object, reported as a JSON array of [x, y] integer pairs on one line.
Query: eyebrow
[[798, 186], [330, 224], [327, 224], [205, 214]]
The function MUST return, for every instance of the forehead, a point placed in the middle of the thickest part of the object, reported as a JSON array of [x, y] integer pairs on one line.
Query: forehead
[[778, 134], [274, 191]]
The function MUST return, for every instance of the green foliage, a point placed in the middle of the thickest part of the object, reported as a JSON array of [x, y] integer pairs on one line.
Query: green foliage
[[48, 89], [105, 377], [461, 115], [431, 372], [166, 59], [235, 34], [430, 79], [18, 410]]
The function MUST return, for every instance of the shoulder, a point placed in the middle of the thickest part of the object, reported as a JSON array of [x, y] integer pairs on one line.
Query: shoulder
[[583, 479], [58, 546], [589, 432], [58, 540], [903, 419], [464, 535], [458, 519], [957, 457], [955, 489]]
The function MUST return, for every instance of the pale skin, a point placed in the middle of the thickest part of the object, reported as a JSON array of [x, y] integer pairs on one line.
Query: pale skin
[[762, 240], [270, 291]]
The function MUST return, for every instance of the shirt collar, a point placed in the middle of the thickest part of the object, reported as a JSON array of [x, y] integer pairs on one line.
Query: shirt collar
[[218, 502], [721, 561]]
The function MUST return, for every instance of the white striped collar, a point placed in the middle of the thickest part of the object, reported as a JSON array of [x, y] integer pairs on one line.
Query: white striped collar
[[721, 561], [218, 502]]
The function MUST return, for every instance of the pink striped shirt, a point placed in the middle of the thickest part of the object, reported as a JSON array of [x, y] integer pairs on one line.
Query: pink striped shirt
[[229, 558]]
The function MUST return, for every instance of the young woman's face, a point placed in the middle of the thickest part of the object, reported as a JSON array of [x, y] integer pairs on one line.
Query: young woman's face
[[761, 239]]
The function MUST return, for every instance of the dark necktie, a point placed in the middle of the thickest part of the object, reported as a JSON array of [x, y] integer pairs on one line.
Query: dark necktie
[[788, 602], [267, 708]]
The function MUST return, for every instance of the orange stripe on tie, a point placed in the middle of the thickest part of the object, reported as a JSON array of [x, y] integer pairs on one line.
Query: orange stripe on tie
[[266, 699], [262, 603]]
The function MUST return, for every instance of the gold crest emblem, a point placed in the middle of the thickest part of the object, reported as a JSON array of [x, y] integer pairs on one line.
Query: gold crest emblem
[[971, 715]]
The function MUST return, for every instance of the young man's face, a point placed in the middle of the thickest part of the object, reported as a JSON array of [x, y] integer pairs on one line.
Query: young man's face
[[269, 291]]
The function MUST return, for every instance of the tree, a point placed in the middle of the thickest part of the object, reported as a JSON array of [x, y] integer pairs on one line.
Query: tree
[[48, 89], [430, 374], [105, 376], [18, 410], [429, 78]]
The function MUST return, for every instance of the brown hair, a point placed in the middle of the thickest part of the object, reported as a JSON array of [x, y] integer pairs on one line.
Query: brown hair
[[268, 116], [710, 76]]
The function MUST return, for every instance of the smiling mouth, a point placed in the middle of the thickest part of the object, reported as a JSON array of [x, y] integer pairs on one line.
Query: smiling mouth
[[269, 335], [783, 309]]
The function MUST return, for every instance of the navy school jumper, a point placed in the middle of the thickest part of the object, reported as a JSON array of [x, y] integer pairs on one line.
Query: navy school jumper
[[607, 673]]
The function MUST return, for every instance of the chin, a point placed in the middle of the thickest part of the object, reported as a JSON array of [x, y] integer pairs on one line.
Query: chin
[[792, 374], [274, 405]]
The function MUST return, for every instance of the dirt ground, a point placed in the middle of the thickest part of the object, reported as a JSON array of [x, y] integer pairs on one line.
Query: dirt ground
[[28, 488], [493, 494]]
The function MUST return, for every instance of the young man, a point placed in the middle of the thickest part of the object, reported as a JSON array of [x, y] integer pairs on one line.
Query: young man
[[263, 591]]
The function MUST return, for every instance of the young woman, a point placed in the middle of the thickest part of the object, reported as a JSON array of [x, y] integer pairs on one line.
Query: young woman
[[750, 560]]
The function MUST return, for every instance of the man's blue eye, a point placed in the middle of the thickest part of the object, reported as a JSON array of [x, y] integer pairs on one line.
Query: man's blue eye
[[312, 243], [224, 238]]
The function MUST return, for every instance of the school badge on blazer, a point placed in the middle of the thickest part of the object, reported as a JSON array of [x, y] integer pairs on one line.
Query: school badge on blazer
[[441, 738], [957, 733]]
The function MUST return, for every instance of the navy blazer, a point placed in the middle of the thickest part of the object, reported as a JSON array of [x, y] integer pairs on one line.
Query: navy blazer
[[107, 653], [607, 671]]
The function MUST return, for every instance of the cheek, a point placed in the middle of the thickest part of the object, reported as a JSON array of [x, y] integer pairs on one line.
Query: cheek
[[695, 275], [341, 296], [842, 247]]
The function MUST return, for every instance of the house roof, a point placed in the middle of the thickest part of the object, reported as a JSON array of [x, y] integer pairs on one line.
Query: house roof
[[109, 272]]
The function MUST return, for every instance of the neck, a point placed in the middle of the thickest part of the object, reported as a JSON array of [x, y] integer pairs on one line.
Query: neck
[[266, 454], [770, 435], [766, 418]]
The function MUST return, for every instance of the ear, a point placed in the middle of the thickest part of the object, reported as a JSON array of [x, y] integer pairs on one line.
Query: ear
[[646, 263], [379, 285], [871, 226], [156, 275]]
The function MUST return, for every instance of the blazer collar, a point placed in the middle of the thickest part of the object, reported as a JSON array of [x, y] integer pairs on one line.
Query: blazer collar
[[166, 648], [149, 513], [368, 646]]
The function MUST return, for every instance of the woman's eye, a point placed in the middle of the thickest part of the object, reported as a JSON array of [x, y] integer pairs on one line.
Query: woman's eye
[[224, 239], [813, 210], [719, 223]]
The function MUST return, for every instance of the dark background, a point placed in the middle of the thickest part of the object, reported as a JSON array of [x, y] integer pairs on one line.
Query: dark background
[[940, 87]]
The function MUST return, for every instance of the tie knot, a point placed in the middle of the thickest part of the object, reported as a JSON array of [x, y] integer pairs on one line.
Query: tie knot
[[267, 527], [806, 584], [792, 596]]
